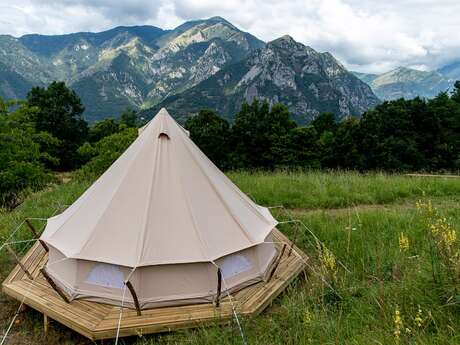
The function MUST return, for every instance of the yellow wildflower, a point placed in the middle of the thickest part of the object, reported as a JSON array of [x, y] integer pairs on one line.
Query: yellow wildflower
[[403, 242], [449, 237], [398, 323], [418, 318], [328, 261], [307, 317]]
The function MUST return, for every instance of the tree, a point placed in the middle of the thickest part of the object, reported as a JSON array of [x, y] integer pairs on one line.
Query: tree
[[3, 107], [325, 122], [456, 92], [299, 148], [211, 134], [347, 145], [326, 125], [256, 133], [59, 112], [20, 159], [445, 150], [103, 153], [128, 117], [102, 129]]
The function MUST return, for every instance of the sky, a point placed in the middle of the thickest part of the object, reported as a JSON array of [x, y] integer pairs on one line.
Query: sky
[[365, 35]]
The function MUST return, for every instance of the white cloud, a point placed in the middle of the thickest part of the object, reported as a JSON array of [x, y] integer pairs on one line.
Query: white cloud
[[367, 35]]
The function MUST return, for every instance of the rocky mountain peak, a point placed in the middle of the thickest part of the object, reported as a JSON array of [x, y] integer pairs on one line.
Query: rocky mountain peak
[[284, 42], [283, 71], [218, 19]]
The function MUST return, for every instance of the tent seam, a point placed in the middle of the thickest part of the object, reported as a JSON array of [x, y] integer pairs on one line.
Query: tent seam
[[146, 214]]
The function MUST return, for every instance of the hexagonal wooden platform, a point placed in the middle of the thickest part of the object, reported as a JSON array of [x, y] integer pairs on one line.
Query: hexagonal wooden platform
[[100, 321]]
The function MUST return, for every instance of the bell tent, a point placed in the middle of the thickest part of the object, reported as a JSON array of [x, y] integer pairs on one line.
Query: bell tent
[[164, 221]]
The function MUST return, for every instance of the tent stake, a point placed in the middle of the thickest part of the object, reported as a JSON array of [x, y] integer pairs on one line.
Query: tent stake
[[219, 287], [133, 293], [54, 286], [35, 233], [18, 261], [277, 262]]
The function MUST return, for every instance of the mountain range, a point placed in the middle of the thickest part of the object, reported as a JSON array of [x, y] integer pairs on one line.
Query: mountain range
[[200, 64], [409, 83], [283, 71]]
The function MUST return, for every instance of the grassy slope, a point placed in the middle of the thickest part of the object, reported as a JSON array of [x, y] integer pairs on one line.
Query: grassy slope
[[365, 239]]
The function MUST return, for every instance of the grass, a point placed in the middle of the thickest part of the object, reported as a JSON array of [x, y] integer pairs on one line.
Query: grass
[[316, 190], [378, 278]]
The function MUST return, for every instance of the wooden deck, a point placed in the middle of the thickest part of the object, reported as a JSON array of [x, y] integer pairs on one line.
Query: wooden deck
[[100, 321]]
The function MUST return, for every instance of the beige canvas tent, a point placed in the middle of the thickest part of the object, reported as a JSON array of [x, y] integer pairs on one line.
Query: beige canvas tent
[[164, 218]]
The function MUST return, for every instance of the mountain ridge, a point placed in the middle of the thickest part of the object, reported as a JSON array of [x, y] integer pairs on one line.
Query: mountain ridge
[[284, 71], [125, 66], [405, 82], [142, 66]]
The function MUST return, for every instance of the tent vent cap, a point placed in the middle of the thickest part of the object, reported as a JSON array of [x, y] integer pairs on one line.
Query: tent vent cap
[[163, 135]]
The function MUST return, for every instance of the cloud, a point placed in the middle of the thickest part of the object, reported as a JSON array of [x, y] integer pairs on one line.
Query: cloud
[[367, 35]]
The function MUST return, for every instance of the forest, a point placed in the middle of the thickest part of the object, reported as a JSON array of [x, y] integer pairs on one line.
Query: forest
[[46, 134]]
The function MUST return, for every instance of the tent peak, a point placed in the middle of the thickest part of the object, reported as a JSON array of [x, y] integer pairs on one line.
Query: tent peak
[[163, 112]]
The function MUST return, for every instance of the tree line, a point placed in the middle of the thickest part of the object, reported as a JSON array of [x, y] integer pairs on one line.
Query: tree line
[[396, 136], [46, 134]]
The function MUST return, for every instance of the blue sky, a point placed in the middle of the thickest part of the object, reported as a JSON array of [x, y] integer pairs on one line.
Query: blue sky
[[366, 35]]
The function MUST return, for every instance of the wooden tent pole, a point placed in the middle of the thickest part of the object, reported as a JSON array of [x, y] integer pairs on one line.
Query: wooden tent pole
[[219, 286], [35, 233], [133, 293], [54, 286], [18, 261], [277, 262]]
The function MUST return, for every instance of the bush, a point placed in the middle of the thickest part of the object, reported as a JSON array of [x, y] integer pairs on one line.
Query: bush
[[103, 153], [17, 179], [20, 164]]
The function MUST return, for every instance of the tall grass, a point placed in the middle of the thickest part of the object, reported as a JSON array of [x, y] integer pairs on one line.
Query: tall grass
[[338, 189], [378, 276]]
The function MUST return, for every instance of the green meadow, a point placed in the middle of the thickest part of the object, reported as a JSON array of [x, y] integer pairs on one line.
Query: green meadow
[[384, 271]]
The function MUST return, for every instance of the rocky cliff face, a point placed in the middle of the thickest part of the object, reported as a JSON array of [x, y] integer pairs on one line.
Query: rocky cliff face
[[284, 71], [125, 66]]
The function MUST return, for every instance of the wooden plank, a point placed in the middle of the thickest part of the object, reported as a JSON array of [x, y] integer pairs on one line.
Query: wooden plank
[[61, 315], [18, 262], [273, 292], [52, 300], [32, 261], [163, 312], [277, 262], [17, 270], [157, 325]]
